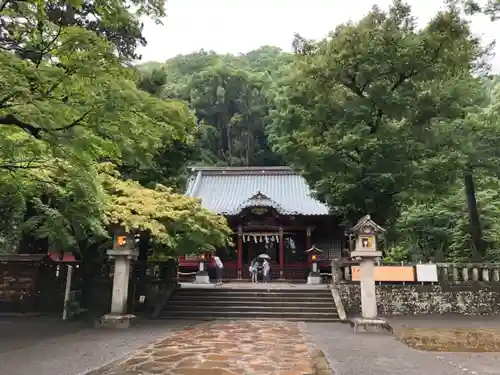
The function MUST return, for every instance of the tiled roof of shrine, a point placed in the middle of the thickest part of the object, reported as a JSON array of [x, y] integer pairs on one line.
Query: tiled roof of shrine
[[228, 190]]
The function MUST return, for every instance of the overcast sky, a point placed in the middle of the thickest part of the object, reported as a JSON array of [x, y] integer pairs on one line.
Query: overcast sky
[[236, 26]]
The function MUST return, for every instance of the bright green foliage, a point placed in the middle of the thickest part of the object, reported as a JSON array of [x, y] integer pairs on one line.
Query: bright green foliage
[[172, 219], [437, 229], [68, 102]]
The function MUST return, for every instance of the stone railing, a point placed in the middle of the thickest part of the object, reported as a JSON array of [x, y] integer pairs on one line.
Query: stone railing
[[485, 272], [345, 271]]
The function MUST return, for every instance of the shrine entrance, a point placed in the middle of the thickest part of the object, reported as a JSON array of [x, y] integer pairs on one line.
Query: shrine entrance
[[255, 244]]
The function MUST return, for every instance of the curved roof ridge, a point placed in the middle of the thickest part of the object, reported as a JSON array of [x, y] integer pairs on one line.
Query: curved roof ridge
[[225, 189], [259, 200]]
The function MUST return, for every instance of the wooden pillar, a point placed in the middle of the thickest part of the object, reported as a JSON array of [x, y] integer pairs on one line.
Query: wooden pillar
[[239, 251], [308, 239], [281, 252]]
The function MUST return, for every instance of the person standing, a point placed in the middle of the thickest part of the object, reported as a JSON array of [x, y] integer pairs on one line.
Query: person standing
[[218, 269], [266, 271], [254, 270]]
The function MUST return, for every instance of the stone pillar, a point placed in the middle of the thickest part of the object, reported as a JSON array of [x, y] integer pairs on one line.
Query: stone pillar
[[281, 245], [366, 253], [118, 317], [239, 250], [368, 293], [121, 275]]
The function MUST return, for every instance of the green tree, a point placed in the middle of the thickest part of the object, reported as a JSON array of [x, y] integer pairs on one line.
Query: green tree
[[68, 103], [360, 110], [468, 144]]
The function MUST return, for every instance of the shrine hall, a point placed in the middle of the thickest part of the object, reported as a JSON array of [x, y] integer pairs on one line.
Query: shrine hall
[[271, 211]]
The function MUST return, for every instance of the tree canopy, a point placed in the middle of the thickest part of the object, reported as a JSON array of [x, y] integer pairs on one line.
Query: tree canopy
[[381, 117], [69, 109]]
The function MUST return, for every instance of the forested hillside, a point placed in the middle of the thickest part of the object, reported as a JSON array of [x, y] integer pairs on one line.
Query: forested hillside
[[231, 97], [381, 117]]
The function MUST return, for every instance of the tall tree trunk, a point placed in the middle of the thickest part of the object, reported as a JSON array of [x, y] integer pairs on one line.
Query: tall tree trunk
[[474, 221]]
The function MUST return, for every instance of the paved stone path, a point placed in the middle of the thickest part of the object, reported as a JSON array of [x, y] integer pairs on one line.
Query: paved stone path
[[233, 348], [352, 353]]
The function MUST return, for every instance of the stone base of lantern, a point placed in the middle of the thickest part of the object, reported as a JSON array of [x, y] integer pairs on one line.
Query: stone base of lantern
[[375, 325], [314, 278], [202, 278], [116, 321]]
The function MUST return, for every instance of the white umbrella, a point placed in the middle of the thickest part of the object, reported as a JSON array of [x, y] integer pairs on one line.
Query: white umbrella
[[264, 256]]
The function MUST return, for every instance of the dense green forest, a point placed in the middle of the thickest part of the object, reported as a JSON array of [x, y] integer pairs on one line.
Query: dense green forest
[[380, 117]]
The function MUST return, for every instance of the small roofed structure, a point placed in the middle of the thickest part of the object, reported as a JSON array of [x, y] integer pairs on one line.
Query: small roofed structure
[[365, 232], [313, 251], [366, 225]]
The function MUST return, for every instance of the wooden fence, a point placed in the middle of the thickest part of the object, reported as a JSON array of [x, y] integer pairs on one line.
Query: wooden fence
[[36, 284]]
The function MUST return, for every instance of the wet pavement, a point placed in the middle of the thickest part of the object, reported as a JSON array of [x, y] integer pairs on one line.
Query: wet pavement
[[46, 346], [352, 353], [233, 348]]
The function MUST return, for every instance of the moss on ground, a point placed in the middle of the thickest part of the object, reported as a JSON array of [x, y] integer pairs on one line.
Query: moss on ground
[[450, 339]]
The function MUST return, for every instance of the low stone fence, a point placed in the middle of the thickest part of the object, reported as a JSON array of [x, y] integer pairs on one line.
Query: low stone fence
[[464, 299], [425, 289], [426, 272]]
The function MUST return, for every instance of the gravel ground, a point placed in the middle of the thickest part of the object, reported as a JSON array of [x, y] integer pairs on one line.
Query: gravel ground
[[49, 347], [352, 353]]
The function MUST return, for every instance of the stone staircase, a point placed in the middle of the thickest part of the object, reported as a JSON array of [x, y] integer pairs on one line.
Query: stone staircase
[[249, 303]]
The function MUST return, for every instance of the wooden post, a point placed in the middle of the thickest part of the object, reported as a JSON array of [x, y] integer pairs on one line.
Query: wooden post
[[239, 251], [281, 252], [308, 238], [67, 291]]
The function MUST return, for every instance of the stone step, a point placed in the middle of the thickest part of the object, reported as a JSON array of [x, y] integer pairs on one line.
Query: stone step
[[244, 302], [255, 308], [209, 303], [250, 299], [277, 315], [237, 293], [271, 289], [207, 318]]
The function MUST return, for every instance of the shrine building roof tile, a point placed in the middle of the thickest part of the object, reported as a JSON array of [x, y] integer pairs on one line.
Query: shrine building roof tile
[[226, 190]]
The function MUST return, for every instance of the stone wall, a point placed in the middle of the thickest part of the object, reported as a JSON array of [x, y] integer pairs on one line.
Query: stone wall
[[465, 299]]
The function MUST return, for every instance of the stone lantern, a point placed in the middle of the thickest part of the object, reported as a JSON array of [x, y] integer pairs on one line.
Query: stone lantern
[[365, 250], [202, 276], [313, 254], [123, 252]]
